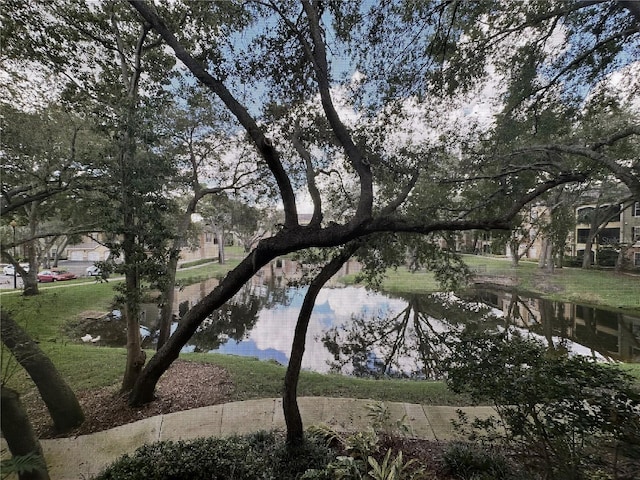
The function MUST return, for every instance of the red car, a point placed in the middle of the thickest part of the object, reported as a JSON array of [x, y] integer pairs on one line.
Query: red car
[[55, 276]]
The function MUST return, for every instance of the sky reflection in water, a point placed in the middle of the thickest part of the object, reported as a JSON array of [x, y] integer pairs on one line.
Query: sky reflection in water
[[371, 334]]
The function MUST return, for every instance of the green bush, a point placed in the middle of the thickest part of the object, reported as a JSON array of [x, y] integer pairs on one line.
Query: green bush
[[551, 406], [262, 455], [571, 262], [22, 464], [469, 461], [195, 263], [360, 448]]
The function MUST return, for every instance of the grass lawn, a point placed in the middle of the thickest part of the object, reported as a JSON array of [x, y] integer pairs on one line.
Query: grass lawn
[[588, 287], [591, 287], [254, 378]]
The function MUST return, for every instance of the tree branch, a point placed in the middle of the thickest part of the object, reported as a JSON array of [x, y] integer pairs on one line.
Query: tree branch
[[355, 156], [262, 143], [316, 219]]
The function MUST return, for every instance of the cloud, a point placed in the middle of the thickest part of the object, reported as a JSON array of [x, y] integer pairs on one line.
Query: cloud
[[275, 327]]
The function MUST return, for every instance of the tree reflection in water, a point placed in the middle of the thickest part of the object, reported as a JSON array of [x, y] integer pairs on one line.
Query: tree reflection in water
[[414, 342], [409, 344], [404, 336], [238, 317]]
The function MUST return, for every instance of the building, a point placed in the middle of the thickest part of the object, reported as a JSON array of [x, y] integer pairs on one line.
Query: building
[[88, 250], [614, 335], [622, 231], [91, 250]]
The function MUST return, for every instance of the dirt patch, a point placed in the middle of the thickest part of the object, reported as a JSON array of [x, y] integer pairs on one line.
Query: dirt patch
[[184, 386]]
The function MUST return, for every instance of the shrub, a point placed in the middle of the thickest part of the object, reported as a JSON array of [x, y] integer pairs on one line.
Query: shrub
[[261, 455], [553, 406], [469, 461], [360, 447], [22, 464]]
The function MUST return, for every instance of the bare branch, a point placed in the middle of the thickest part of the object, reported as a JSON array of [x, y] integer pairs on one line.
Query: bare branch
[[316, 219], [402, 195]]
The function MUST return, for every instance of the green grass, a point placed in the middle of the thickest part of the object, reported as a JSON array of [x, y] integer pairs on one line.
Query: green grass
[[603, 288], [44, 315], [91, 367], [590, 287], [254, 378], [402, 280], [204, 272]]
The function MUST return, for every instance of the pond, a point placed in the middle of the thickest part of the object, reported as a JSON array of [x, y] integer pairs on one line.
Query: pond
[[358, 332]]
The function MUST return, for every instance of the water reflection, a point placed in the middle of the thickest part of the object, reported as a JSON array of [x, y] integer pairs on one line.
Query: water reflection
[[607, 333], [354, 331], [411, 342], [272, 334], [238, 317]]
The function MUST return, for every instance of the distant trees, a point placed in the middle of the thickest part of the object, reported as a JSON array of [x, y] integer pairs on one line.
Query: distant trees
[[208, 163], [47, 164]]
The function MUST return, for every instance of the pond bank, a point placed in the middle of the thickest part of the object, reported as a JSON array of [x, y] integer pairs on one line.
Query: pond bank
[[596, 288]]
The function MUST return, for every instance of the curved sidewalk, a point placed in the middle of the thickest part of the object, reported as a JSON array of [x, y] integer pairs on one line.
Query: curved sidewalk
[[87, 455]]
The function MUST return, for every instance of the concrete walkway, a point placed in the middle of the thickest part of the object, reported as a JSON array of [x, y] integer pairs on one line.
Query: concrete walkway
[[85, 456]]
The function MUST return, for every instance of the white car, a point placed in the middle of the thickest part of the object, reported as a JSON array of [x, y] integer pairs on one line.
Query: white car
[[10, 270], [94, 271]]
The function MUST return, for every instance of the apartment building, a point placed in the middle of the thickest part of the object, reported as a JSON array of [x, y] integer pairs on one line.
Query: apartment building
[[622, 230]]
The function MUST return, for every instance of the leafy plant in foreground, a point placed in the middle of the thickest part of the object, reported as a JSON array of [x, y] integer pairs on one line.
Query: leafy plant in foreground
[[470, 461], [552, 407], [22, 464], [259, 456], [360, 448]]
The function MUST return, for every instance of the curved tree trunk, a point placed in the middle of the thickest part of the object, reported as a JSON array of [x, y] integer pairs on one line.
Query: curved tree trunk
[[61, 402], [143, 390], [166, 307], [30, 280], [295, 430], [620, 261], [220, 238], [588, 253], [514, 245], [17, 431]]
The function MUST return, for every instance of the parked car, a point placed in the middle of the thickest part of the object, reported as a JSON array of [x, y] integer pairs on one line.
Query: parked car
[[55, 276], [94, 271], [10, 270]]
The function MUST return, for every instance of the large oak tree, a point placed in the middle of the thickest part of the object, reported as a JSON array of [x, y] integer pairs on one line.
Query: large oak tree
[[288, 61]]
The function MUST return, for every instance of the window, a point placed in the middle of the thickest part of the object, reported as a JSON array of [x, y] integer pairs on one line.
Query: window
[[584, 214], [636, 234], [615, 208], [636, 259], [609, 236], [636, 209], [208, 237], [583, 234]]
